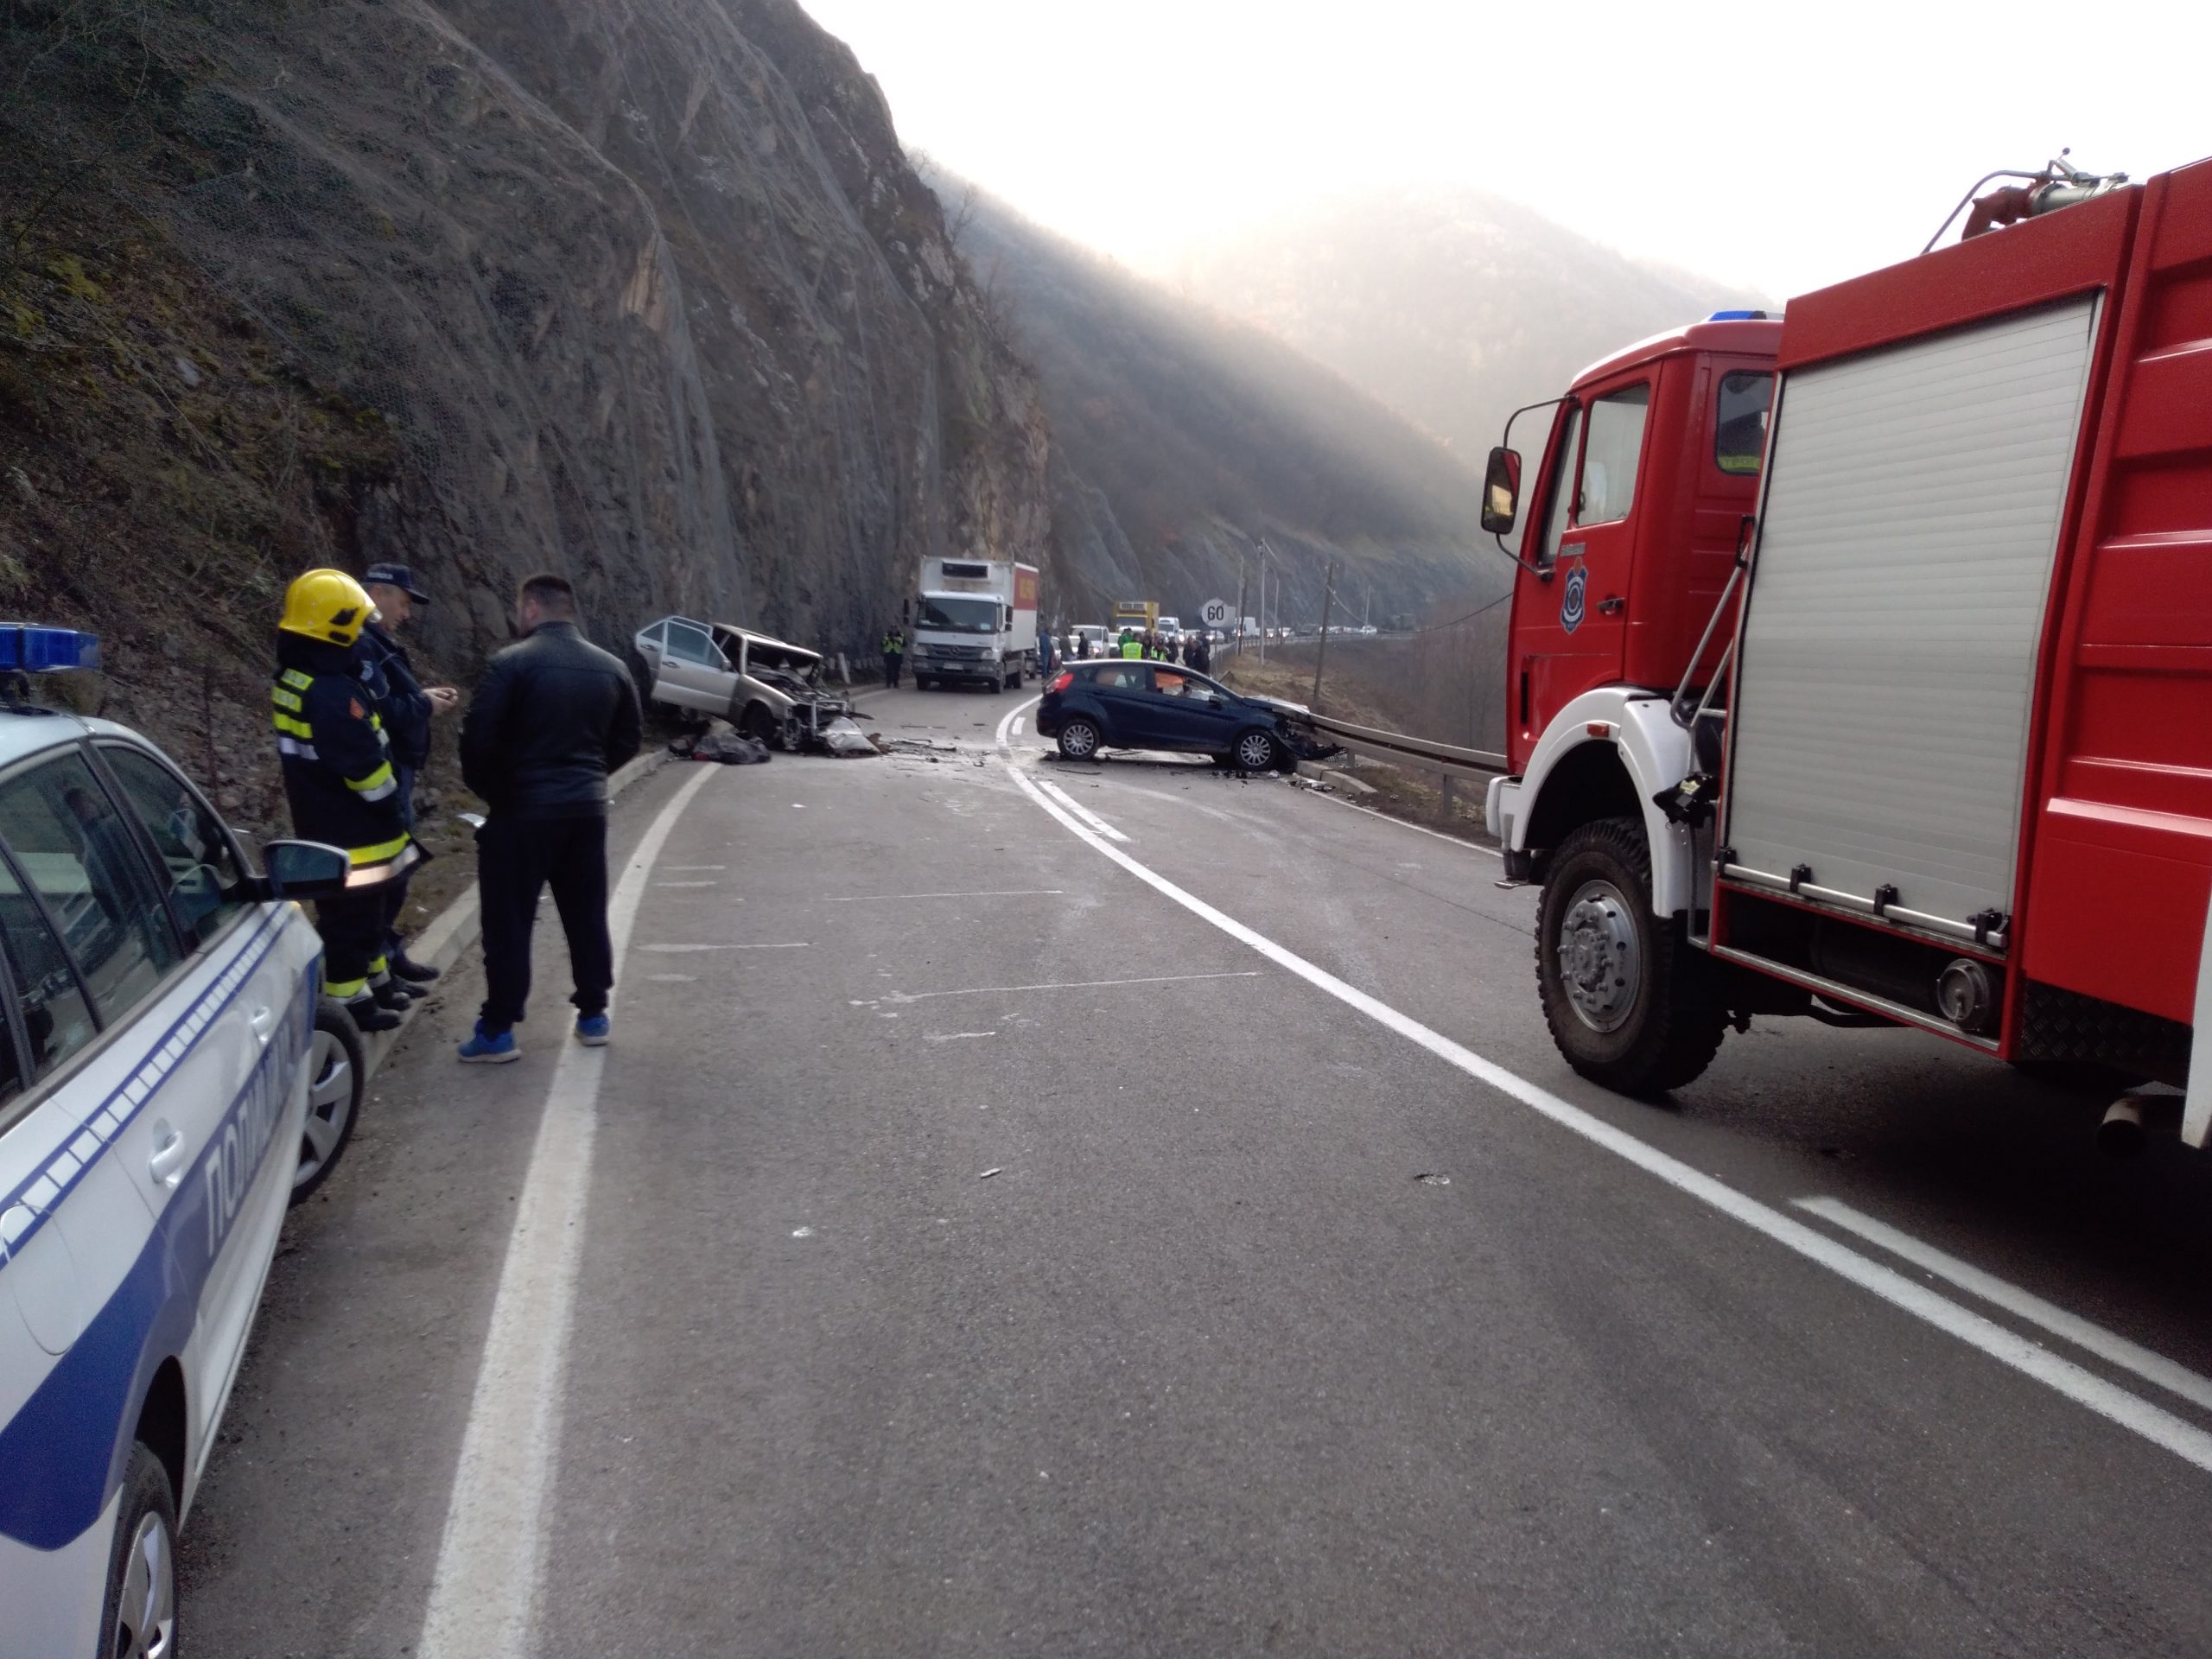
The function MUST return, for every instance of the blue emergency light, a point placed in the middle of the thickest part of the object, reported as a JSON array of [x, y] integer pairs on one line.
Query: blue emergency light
[[1738, 316], [26, 648]]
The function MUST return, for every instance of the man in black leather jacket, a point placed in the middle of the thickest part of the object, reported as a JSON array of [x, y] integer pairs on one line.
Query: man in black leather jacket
[[552, 716]]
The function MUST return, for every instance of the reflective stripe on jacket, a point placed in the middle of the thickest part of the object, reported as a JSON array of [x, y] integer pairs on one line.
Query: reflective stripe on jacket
[[336, 759]]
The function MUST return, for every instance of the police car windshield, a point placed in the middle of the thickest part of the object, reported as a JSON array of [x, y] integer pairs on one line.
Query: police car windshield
[[957, 615]]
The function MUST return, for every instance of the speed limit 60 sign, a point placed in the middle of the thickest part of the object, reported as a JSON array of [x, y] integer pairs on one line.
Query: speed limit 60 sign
[[1215, 613]]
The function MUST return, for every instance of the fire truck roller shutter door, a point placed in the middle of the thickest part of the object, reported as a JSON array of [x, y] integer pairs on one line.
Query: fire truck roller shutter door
[[1911, 519]]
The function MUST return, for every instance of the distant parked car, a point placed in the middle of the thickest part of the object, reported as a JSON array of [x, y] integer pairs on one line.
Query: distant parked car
[[1121, 704]]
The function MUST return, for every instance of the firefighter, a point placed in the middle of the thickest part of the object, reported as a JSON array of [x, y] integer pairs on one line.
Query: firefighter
[[894, 655], [339, 779]]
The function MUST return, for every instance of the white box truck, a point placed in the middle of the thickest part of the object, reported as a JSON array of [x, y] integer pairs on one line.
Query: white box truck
[[974, 620]]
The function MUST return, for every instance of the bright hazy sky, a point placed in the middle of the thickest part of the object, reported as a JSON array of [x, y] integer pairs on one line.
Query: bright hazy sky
[[1793, 147]]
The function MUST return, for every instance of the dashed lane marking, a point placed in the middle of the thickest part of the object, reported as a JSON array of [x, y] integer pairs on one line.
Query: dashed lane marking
[[2108, 1345], [1084, 812]]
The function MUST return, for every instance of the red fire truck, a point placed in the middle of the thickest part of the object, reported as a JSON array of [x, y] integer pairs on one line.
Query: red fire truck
[[1861, 660]]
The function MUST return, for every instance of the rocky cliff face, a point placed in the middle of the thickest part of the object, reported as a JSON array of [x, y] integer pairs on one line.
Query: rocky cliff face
[[645, 293]]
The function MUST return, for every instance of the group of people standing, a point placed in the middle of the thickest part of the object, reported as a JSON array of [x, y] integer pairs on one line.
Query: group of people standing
[[552, 717], [1192, 650]]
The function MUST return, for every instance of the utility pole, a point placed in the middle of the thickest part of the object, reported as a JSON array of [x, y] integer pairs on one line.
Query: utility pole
[[1263, 605], [1321, 656], [1237, 622]]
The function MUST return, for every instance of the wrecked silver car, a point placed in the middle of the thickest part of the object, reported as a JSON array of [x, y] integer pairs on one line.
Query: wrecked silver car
[[767, 688]]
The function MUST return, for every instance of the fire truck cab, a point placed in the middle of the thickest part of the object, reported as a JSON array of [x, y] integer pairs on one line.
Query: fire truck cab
[[1861, 662]]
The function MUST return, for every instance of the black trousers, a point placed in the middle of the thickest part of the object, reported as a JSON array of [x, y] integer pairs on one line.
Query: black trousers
[[395, 891], [353, 929], [516, 859], [893, 661]]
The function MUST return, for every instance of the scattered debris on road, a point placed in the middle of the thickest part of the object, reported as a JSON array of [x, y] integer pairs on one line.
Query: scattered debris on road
[[841, 737], [1427, 1179], [994, 1170], [727, 748]]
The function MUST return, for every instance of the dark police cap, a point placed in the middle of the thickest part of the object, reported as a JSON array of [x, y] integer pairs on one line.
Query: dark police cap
[[396, 575]]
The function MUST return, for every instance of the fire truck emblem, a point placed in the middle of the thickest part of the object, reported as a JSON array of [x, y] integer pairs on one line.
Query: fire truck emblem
[[1570, 604]]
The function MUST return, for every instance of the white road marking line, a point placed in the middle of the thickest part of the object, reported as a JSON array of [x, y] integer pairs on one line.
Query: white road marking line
[[954, 1036], [1067, 985], [1457, 841], [1017, 725], [2108, 1345], [1008, 893], [680, 870], [693, 949], [1007, 724], [2184, 1439], [687, 884], [484, 1594], [1081, 811]]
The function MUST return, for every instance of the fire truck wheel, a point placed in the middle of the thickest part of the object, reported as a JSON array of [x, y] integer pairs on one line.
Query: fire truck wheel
[[1630, 1002]]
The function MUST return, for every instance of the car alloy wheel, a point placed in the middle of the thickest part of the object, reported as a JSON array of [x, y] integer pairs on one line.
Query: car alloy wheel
[[1078, 740], [334, 1081], [147, 1629], [138, 1615], [1255, 752]]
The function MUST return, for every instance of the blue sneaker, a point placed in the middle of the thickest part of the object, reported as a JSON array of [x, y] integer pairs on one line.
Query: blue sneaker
[[593, 1030], [490, 1048]]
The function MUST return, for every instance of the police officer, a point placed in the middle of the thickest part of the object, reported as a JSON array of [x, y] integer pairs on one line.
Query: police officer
[[406, 707], [1132, 648], [339, 781], [894, 655]]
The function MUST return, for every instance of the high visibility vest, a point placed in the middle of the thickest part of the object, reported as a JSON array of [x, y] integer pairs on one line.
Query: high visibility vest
[[1131, 649], [894, 645]]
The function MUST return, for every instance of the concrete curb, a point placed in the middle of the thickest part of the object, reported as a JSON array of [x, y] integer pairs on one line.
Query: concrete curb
[[453, 930]]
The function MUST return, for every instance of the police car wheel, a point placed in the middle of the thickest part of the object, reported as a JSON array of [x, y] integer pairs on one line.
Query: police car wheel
[[139, 1621], [334, 1083]]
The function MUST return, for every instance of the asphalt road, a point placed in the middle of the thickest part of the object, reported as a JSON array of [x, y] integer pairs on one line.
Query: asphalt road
[[1276, 1329]]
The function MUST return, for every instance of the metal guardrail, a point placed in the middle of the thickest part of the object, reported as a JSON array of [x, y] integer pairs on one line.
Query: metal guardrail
[[1445, 758]]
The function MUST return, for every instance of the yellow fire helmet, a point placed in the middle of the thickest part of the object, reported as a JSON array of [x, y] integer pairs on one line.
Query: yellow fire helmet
[[327, 605]]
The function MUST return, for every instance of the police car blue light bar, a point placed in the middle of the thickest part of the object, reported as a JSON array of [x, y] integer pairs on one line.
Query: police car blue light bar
[[28, 648], [1738, 316]]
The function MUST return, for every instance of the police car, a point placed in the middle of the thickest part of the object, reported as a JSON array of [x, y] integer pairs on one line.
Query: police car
[[167, 1081]]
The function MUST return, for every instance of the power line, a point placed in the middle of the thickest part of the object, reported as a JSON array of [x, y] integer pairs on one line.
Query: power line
[[1440, 626]]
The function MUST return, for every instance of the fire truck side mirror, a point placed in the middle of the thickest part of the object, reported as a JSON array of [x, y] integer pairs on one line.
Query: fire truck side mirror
[[1502, 491]]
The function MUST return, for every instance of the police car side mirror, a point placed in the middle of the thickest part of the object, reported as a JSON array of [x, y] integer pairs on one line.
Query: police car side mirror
[[1502, 491], [304, 869]]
